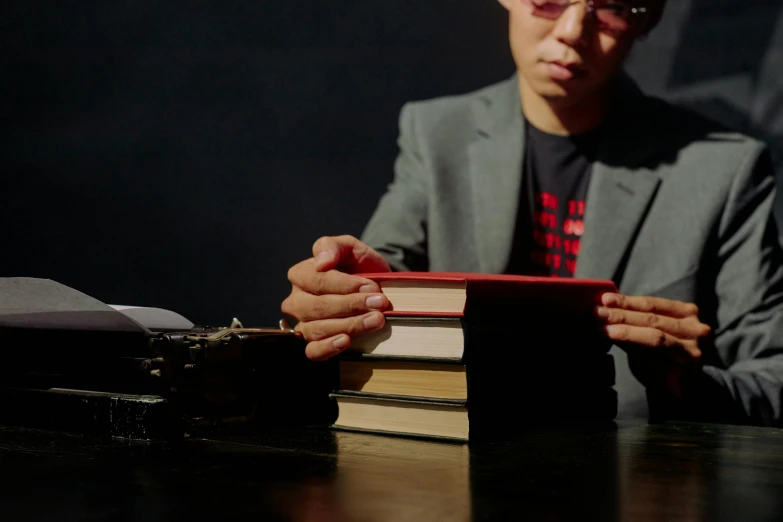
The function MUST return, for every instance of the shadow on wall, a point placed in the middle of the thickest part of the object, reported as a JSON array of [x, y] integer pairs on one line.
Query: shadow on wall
[[735, 37], [718, 109], [726, 65]]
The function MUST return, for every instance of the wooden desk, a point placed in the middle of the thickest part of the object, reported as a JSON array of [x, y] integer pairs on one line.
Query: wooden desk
[[634, 472]]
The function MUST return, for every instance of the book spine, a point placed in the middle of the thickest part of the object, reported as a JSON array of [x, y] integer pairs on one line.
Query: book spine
[[356, 350], [407, 435], [425, 318], [397, 398], [359, 357], [423, 315]]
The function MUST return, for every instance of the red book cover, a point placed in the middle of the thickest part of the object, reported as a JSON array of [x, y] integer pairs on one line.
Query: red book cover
[[504, 293]]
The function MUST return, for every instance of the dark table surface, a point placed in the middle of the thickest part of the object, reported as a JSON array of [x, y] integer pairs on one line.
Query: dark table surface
[[632, 472]]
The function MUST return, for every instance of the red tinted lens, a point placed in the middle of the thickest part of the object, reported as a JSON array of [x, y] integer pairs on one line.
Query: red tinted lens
[[547, 8], [613, 15]]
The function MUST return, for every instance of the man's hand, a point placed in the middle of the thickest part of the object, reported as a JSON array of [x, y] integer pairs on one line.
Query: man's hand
[[331, 304], [661, 337]]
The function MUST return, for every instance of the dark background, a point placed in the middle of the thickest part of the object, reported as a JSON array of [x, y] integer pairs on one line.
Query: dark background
[[185, 154]]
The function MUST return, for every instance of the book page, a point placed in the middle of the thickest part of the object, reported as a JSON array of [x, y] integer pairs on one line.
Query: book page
[[32, 303]]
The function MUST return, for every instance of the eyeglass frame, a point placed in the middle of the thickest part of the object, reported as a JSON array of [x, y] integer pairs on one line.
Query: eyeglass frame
[[590, 8]]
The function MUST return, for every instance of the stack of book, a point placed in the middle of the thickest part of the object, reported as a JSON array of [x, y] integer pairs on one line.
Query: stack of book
[[462, 354]]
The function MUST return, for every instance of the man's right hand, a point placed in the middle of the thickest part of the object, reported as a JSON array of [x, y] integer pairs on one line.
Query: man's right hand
[[330, 303]]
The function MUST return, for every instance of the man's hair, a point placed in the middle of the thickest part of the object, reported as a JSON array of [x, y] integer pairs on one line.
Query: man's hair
[[654, 13]]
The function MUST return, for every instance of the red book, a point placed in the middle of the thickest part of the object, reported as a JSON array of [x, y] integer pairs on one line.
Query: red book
[[457, 294], [524, 348]]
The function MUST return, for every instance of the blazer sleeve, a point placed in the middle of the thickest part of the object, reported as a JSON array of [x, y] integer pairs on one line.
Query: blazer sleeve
[[746, 384], [398, 227]]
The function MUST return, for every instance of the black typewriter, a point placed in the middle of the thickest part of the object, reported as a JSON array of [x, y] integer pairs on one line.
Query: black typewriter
[[86, 372]]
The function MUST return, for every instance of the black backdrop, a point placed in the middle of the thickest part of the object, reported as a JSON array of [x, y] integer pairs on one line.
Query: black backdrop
[[185, 154]]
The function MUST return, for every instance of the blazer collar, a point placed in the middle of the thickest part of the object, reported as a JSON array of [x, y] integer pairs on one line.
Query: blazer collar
[[620, 193], [623, 183], [495, 173]]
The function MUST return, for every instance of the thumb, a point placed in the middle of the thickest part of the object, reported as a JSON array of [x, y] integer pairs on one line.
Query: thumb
[[348, 254]]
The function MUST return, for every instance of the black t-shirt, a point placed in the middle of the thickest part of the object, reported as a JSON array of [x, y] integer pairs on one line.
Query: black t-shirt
[[555, 176]]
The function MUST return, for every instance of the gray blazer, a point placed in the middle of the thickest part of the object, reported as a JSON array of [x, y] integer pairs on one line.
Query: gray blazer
[[676, 208]]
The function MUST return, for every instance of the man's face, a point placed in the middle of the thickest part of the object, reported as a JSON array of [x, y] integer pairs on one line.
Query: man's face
[[567, 57]]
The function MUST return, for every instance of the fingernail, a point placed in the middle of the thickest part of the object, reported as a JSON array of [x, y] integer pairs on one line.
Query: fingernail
[[612, 329], [372, 321], [610, 300], [341, 343], [367, 289], [374, 301], [323, 257], [604, 313]]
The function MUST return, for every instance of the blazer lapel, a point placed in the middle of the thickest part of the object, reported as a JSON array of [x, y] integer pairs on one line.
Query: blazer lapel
[[622, 188], [495, 175], [617, 201], [620, 193]]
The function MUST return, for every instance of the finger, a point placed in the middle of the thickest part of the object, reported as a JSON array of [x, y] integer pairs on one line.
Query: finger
[[654, 305], [304, 276], [309, 307], [349, 254], [688, 328], [352, 326], [683, 351], [327, 348]]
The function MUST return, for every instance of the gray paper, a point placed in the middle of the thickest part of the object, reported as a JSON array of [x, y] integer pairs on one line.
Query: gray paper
[[27, 302], [156, 319]]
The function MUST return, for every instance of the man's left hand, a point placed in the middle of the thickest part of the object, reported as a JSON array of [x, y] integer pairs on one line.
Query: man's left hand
[[660, 335]]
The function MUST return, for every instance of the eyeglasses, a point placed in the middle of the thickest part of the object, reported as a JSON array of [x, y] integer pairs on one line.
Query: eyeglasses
[[614, 15]]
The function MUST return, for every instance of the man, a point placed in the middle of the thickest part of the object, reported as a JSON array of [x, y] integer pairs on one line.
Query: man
[[566, 169]]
